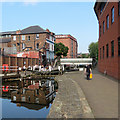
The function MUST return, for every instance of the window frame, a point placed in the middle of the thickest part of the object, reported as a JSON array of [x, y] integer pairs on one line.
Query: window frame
[[14, 37], [29, 38], [100, 30], [100, 53], [103, 51], [37, 36], [112, 48], [107, 21], [23, 36], [37, 46], [24, 46], [119, 46], [107, 50], [112, 15]]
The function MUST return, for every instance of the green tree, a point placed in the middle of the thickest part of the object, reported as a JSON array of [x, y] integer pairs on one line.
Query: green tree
[[85, 56], [93, 50], [60, 49]]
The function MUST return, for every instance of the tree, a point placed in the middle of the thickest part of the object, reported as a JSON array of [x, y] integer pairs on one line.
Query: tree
[[60, 49], [93, 50], [85, 56]]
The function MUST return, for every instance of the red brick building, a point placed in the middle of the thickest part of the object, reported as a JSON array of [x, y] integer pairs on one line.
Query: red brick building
[[108, 14], [70, 42], [30, 39]]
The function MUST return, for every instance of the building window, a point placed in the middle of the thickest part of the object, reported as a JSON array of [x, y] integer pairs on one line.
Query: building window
[[100, 53], [14, 98], [52, 47], [102, 6], [112, 11], [103, 27], [119, 46], [100, 30], [107, 21], [37, 46], [51, 38], [37, 100], [119, 8], [23, 37], [37, 91], [23, 99], [112, 48], [29, 98], [29, 38], [23, 46], [14, 38], [107, 51], [103, 52], [37, 36]]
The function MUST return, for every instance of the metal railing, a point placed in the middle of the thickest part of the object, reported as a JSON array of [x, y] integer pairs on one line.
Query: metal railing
[[76, 61]]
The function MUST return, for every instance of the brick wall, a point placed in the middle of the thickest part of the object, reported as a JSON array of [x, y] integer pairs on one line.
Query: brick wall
[[2, 45], [29, 43], [67, 41], [18, 61], [110, 64]]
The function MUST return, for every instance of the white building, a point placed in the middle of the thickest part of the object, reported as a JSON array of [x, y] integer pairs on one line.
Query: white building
[[50, 51]]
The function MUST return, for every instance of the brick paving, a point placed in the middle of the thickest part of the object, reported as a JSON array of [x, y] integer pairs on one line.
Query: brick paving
[[80, 98]]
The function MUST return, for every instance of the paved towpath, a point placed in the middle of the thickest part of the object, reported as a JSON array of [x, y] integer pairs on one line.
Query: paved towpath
[[80, 98]]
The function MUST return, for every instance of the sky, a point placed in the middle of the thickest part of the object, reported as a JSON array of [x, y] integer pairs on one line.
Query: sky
[[75, 18]]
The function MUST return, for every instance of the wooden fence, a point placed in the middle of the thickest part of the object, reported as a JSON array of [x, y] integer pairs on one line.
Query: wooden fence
[[18, 61]]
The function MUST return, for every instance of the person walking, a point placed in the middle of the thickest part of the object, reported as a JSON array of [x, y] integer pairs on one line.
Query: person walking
[[88, 71], [24, 69]]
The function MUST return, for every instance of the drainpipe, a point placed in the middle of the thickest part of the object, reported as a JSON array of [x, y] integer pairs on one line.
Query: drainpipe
[[19, 42], [34, 41]]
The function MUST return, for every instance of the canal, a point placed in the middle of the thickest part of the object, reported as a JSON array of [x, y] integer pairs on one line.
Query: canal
[[27, 98]]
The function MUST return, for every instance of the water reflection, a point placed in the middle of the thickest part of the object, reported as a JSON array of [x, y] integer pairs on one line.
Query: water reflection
[[31, 94]]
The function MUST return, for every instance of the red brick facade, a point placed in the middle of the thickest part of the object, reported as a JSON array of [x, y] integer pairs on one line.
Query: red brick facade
[[70, 42], [109, 33], [33, 39]]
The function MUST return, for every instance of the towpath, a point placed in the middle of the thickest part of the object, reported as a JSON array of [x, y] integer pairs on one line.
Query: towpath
[[80, 98]]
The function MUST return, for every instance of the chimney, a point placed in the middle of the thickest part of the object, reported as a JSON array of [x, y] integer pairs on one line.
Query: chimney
[[47, 30], [18, 32]]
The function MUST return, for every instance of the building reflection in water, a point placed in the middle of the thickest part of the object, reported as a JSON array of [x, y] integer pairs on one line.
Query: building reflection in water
[[32, 94]]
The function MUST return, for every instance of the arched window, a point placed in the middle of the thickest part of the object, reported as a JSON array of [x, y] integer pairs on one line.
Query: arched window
[[37, 46]]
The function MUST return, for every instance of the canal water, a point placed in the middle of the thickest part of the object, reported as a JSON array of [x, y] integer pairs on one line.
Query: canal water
[[27, 98]]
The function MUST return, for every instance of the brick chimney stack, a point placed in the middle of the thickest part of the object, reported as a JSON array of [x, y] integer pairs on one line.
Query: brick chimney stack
[[47, 30], [18, 32]]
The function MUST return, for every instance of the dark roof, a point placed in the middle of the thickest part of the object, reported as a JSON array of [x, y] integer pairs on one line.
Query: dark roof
[[95, 8], [32, 29], [5, 40], [97, 5], [7, 33]]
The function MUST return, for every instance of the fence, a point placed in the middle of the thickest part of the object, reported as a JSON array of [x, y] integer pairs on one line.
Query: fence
[[18, 61]]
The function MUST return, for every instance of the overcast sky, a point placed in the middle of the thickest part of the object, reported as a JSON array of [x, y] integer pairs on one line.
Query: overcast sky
[[75, 18]]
